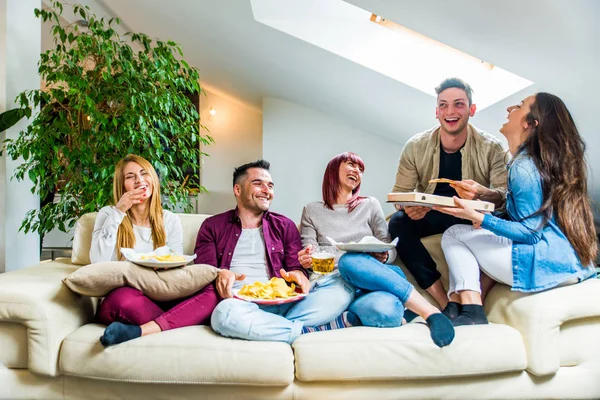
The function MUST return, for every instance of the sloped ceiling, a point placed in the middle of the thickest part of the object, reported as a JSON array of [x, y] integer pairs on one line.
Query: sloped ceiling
[[555, 43]]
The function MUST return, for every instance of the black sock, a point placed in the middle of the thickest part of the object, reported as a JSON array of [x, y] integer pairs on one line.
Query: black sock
[[118, 332], [409, 315], [442, 331], [353, 319], [471, 314], [452, 310]]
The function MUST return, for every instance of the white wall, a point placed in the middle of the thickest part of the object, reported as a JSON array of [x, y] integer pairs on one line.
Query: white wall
[[237, 130], [299, 142], [20, 39], [3, 107]]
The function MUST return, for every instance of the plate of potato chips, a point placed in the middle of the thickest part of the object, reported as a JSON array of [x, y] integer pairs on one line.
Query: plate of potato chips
[[163, 257], [275, 291]]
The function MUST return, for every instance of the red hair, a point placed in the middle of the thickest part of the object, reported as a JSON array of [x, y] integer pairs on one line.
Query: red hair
[[331, 181]]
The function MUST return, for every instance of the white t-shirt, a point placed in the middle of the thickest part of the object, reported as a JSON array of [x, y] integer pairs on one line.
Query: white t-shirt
[[104, 237], [250, 258]]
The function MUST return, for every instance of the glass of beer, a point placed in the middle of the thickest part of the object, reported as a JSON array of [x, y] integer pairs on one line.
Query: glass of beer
[[323, 259]]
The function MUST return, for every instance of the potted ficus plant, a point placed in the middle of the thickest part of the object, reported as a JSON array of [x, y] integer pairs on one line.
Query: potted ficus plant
[[105, 95]]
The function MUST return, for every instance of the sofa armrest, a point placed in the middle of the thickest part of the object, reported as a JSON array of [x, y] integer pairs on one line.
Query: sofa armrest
[[539, 316], [36, 298]]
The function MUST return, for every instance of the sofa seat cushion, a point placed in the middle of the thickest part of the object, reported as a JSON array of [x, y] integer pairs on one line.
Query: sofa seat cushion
[[407, 352], [191, 355]]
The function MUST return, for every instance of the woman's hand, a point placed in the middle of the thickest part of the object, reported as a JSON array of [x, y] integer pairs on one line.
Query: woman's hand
[[463, 211], [135, 196], [304, 257], [382, 257]]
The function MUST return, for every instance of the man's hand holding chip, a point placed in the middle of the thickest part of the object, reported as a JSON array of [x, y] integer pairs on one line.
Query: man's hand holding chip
[[297, 277], [225, 281]]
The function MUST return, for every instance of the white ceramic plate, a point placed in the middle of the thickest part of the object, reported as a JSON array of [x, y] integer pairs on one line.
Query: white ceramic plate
[[161, 264], [273, 302], [368, 244], [365, 247], [134, 257]]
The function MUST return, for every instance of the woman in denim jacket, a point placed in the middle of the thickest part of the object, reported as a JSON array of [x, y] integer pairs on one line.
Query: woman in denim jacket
[[549, 238]]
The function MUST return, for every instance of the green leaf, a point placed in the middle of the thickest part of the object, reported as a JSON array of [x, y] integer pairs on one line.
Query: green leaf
[[10, 118]]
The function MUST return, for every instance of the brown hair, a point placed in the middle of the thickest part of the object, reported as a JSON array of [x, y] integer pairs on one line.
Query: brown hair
[[458, 84], [564, 176], [125, 235]]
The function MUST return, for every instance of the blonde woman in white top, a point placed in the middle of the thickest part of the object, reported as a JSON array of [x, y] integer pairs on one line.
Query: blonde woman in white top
[[138, 221]]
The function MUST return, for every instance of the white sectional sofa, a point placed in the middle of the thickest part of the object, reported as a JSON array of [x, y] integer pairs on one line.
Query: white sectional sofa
[[540, 346]]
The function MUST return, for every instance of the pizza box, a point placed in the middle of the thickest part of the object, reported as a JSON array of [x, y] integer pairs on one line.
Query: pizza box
[[430, 200]]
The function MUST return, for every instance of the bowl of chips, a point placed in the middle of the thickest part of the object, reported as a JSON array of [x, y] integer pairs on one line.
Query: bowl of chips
[[163, 257], [275, 291]]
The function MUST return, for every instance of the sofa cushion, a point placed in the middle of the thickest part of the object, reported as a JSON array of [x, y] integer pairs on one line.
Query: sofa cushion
[[539, 317], [13, 342], [193, 354], [572, 334], [190, 225], [407, 352], [99, 279], [82, 240]]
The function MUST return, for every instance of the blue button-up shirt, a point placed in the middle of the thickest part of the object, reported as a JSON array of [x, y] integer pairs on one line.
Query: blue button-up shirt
[[219, 235], [542, 256]]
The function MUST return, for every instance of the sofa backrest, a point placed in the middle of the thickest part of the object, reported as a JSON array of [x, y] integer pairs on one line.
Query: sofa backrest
[[82, 240]]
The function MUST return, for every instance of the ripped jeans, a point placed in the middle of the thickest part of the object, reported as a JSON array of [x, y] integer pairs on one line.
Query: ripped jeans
[[329, 296]]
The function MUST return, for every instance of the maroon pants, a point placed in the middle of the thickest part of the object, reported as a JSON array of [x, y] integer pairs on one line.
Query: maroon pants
[[130, 306]]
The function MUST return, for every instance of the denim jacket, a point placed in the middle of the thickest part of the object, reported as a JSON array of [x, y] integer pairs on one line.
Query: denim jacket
[[542, 256]]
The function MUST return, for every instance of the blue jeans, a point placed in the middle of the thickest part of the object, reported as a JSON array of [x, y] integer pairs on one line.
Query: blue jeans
[[329, 296], [384, 286]]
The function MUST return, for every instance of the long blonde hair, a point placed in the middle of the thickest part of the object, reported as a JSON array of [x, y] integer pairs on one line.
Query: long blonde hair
[[125, 235]]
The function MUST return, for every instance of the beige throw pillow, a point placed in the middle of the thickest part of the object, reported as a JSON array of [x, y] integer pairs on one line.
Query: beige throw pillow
[[97, 280]]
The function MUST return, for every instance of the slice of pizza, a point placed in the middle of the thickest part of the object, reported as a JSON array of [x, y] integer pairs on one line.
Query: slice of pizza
[[442, 180]]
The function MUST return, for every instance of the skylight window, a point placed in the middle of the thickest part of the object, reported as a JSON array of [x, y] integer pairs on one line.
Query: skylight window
[[386, 47]]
